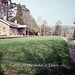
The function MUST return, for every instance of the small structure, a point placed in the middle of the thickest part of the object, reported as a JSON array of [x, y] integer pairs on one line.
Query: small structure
[[11, 28]]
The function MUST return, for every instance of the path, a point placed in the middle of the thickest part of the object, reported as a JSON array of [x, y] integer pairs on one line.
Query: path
[[71, 49]]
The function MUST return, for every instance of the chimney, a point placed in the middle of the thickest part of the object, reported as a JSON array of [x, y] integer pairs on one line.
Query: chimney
[[15, 21], [5, 18]]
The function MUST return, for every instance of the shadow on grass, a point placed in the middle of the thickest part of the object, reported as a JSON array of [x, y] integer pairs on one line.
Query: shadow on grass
[[1, 70], [55, 71]]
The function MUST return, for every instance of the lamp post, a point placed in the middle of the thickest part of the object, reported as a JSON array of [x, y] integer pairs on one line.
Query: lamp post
[[74, 30]]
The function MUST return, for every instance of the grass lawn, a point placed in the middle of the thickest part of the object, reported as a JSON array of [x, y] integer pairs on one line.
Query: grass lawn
[[20, 55]]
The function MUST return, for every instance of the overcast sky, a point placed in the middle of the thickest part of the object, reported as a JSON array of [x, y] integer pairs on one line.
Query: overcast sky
[[51, 10]]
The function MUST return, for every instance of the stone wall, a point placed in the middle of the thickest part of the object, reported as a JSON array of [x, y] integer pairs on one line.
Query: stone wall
[[13, 31], [4, 29]]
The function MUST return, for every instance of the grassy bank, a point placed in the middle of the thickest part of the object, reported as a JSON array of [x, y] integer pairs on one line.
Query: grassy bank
[[22, 55]]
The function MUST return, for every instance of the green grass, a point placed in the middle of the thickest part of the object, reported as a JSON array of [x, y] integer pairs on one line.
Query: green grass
[[18, 52]]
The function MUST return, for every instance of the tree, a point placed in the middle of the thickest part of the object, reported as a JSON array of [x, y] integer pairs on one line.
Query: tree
[[23, 17], [44, 29], [19, 20], [48, 31], [40, 23], [74, 34], [58, 28], [45, 24], [19, 11], [29, 21], [35, 28], [18, 15], [64, 33], [74, 31]]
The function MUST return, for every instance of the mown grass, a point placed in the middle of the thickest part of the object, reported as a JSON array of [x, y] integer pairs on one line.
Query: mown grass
[[19, 52]]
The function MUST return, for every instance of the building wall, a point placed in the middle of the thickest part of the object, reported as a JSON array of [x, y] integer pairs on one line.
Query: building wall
[[13, 31], [4, 29], [7, 30]]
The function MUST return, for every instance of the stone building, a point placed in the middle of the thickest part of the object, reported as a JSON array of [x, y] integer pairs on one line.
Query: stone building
[[11, 28]]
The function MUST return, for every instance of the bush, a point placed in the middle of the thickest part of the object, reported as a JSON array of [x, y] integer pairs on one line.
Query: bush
[[4, 35]]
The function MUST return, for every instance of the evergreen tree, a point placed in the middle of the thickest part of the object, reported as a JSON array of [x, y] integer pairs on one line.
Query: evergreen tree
[[19, 10], [35, 28], [18, 15], [19, 20]]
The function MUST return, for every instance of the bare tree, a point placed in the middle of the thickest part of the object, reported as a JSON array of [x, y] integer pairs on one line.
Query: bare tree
[[40, 23], [64, 33], [58, 28], [44, 24]]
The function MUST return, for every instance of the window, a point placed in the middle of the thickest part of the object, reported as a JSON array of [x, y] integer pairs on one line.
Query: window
[[3, 27]]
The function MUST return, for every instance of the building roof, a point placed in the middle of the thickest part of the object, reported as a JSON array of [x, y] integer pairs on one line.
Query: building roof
[[12, 24]]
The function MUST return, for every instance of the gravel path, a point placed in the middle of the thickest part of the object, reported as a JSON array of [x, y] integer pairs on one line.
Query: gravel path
[[71, 49]]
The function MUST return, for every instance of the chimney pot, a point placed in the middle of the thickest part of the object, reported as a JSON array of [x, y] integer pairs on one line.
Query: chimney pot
[[5, 18], [15, 21]]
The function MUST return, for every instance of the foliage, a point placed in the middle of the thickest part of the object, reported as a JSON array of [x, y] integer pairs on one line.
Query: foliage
[[4, 35], [19, 20], [30, 21], [24, 17], [19, 11], [33, 26], [18, 15], [19, 52]]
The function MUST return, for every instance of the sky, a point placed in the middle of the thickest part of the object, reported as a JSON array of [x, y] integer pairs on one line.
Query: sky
[[51, 10]]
